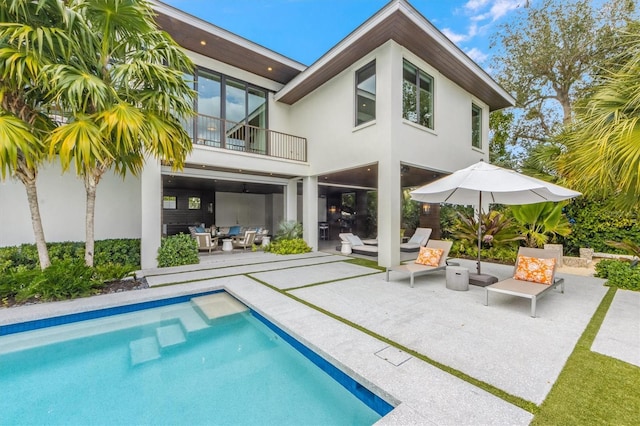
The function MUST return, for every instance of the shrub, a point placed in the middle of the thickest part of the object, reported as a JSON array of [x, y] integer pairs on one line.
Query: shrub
[[594, 223], [289, 230], [292, 246], [118, 251], [64, 279], [619, 274], [178, 250]]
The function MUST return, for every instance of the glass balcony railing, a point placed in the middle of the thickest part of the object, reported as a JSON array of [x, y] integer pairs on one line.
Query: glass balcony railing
[[225, 134]]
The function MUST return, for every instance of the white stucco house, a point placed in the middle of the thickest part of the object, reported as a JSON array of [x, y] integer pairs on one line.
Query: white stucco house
[[395, 104]]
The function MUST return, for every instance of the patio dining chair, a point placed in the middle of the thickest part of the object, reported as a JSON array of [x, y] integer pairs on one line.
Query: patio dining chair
[[206, 241]]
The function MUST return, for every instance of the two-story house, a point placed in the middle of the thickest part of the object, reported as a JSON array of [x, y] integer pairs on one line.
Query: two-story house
[[393, 105]]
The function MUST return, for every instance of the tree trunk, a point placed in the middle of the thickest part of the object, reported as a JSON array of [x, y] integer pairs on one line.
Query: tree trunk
[[90, 183], [28, 178]]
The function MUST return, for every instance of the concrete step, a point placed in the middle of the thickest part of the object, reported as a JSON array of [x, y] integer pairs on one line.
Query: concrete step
[[144, 350], [170, 335], [217, 305]]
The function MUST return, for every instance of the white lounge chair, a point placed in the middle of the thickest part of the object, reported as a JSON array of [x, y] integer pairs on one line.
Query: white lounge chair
[[414, 269], [528, 289], [358, 246], [419, 239]]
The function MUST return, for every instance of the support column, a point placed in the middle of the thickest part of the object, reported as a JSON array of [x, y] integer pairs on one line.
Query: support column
[[310, 211], [151, 211], [291, 201], [389, 213]]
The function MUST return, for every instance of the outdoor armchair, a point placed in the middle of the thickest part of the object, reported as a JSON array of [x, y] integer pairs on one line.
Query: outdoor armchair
[[245, 241]]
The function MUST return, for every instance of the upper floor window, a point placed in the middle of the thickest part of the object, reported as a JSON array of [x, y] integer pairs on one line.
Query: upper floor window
[[229, 111], [417, 95], [476, 126], [366, 93]]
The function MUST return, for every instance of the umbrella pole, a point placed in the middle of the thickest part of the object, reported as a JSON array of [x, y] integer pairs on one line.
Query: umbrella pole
[[479, 227]]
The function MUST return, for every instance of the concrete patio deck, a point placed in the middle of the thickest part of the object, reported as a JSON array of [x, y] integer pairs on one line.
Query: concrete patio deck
[[499, 344]]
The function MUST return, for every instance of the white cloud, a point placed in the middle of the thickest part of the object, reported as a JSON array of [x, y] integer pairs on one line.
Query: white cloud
[[454, 37], [474, 5], [477, 55]]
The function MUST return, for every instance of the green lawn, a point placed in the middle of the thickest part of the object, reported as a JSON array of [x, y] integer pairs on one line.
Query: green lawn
[[593, 389]]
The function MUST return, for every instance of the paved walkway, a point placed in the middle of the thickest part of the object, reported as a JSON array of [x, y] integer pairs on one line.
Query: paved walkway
[[499, 344]]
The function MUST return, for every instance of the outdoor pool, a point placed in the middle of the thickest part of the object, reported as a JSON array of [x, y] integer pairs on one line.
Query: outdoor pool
[[181, 363]]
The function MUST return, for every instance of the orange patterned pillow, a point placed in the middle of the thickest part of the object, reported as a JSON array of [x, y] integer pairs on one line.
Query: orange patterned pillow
[[429, 256], [535, 269]]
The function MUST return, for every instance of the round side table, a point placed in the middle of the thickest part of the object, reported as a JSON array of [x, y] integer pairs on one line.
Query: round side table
[[346, 247], [226, 244]]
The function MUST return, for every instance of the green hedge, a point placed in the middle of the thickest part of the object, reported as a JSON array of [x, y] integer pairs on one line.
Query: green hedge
[[178, 250], [593, 224], [619, 273], [107, 252]]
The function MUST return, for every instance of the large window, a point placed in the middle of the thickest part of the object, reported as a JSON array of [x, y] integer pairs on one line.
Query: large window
[[476, 126], [417, 95], [230, 112], [366, 93]]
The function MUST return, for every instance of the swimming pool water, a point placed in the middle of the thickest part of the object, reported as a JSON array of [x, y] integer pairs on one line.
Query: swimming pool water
[[106, 371]]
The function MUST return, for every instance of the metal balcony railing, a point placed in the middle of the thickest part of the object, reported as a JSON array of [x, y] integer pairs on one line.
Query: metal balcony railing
[[219, 133]]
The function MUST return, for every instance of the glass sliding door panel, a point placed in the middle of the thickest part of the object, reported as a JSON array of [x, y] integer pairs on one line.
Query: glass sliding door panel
[[257, 120], [236, 114], [209, 109]]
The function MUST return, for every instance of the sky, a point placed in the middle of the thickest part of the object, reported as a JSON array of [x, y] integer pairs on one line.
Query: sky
[[303, 30]]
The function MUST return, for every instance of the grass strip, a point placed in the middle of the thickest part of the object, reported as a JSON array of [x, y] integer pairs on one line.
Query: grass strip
[[593, 389], [515, 400]]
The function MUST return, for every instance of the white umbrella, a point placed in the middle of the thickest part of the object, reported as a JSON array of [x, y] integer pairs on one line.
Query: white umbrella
[[489, 184]]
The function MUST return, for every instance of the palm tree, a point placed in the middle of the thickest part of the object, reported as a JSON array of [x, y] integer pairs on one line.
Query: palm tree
[[123, 95], [541, 221], [603, 147], [31, 38]]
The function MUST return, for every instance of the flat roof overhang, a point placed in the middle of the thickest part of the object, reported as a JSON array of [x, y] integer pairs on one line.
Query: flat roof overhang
[[400, 22], [191, 32]]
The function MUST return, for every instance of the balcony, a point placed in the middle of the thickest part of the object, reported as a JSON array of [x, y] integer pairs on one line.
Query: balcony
[[225, 134]]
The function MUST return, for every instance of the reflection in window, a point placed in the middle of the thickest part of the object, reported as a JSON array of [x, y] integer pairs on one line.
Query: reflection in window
[[476, 126], [169, 202], [417, 95], [366, 93], [194, 203], [209, 101]]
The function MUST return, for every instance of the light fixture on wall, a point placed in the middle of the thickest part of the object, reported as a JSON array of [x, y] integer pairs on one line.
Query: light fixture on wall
[[333, 209], [426, 208]]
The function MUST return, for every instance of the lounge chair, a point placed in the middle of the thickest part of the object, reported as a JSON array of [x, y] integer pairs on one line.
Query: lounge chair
[[419, 239], [206, 241], [523, 283], [245, 241], [414, 269], [358, 246]]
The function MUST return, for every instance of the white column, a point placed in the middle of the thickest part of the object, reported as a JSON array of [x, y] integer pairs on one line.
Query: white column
[[310, 211], [151, 211], [291, 201], [389, 213]]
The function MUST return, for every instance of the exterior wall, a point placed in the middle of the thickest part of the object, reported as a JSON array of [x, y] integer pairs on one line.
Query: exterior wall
[[62, 207]]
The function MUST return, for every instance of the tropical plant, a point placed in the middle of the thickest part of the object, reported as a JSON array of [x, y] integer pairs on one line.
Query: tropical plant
[[628, 246], [114, 80], [619, 274], [541, 222], [289, 230], [603, 145], [497, 229], [30, 40], [410, 210]]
